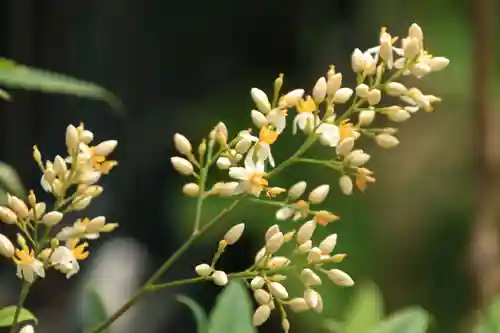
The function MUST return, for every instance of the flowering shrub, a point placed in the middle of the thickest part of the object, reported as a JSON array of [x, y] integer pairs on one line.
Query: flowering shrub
[[331, 115]]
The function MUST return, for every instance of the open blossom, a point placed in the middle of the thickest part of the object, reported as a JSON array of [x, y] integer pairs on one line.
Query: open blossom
[[28, 267], [277, 117], [251, 177], [306, 118], [85, 228], [65, 258], [329, 134], [262, 147]]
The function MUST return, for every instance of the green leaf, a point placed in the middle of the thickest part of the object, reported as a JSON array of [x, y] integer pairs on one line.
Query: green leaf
[[366, 309], [7, 316], [13, 75], [4, 95], [490, 323], [233, 311], [94, 310], [333, 326], [409, 320], [199, 313], [10, 181]]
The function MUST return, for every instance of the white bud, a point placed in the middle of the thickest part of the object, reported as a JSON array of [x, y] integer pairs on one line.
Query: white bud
[[345, 146], [278, 262], [257, 282], [438, 63], [362, 90], [203, 270], [278, 290], [284, 213], [328, 244], [273, 230], [242, 146], [319, 90], [87, 177], [420, 70], [182, 165], [357, 62], [6, 247], [416, 32], [297, 190], [261, 100], [182, 144], [223, 163], [261, 315], [319, 308], [398, 115], [7, 215], [261, 296], [233, 234], [309, 278], [52, 218], [311, 297], [333, 84], [342, 95], [105, 148], [81, 202], [305, 247], [346, 185], [366, 117], [86, 137], [395, 89], [285, 324], [72, 138], [18, 206], [191, 189], [60, 165], [386, 140], [274, 243], [340, 278], [225, 189], [305, 232], [27, 329], [318, 195], [357, 157], [411, 48], [220, 278], [260, 255], [374, 97], [314, 255], [291, 99], [298, 305], [258, 118]]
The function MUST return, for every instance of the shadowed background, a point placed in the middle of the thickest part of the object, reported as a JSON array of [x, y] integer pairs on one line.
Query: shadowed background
[[183, 66]]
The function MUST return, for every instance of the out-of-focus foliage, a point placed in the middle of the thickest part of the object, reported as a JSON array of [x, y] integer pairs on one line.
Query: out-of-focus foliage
[[10, 183], [490, 322], [94, 310], [7, 316], [198, 312]]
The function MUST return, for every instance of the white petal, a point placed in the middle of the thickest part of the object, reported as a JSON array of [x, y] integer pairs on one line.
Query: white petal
[[238, 173]]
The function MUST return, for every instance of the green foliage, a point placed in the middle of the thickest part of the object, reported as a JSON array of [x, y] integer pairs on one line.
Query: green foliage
[[409, 320], [233, 311], [199, 314], [13, 75], [490, 322], [7, 316], [10, 183], [94, 310]]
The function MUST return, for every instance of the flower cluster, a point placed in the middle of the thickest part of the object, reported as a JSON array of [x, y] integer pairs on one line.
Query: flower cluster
[[72, 180], [332, 116]]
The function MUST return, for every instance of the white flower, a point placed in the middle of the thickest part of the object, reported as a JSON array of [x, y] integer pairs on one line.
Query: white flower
[[251, 177], [329, 134], [65, 258], [306, 118], [277, 117], [261, 100], [85, 228], [262, 148], [28, 267]]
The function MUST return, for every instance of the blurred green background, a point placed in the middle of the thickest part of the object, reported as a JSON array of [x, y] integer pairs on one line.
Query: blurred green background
[[183, 66]]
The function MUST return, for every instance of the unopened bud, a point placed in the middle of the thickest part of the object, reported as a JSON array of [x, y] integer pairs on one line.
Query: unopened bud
[[20, 240], [257, 282], [288, 236], [278, 290], [340, 278], [7, 215], [105, 148], [305, 232], [333, 84], [291, 99], [284, 213], [297, 190], [261, 296], [203, 270], [342, 95], [386, 140], [357, 157], [273, 230], [298, 305], [72, 138], [81, 202], [398, 115], [416, 32], [223, 163], [261, 315], [328, 244], [345, 146], [258, 118], [346, 185], [182, 144], [366, 117], [305, 247], [374, 97], [52, 218], [18, 206], [278, 262], [6, 246], [314, 255], [37, 156], [395, 89], [182, 165], [362, 90], [319, 90], [311, 297], [27, 329], [261, 100], [274, 243], [285, 324], [220, 278], [191, 190], [412, 48], [234, 234], [318, 195], [438, 63], [309, 278]]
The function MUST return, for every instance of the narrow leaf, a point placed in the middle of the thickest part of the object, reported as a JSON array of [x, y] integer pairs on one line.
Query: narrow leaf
[[94, 310], [366, 309], [233, 311], [199, 313], [7, 316], [409, 320], [10, 181]]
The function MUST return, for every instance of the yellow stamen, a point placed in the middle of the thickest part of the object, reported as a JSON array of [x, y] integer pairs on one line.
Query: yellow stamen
[[78, 250], [306, 105], [324, 217], [363, 177], [101, 164], [24, 256], [268, 135], [346, 130], [258, 179]]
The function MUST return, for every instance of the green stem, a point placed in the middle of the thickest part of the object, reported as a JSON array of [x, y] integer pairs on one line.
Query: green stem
[[330, 164], [22, 297]]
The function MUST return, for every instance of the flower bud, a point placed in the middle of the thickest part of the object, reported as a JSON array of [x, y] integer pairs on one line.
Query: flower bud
[[72, 138], [6, 246], [340, 278], [374, 97], [416, 32], [274, 243], [182, 165], [203, 270], [420, 70], [366, 117], [305, 247], [398, 115], [345, 146], [314, 255], [342, 95], [223, 163], [284, 213], [346, 185], [27, 329], [7, 215], [261, 315], [18, 206], [258, 118], [182, 144], [298, 305], [81, 202], [319, 90], [319, 308], [328, 244], [242, 146], [411, 48], [60, 166], [357, 62], [318, 195], [105, 148], [438, 63], [191, 190], [395, 89], [278, 290], [86, 137], [333, 84], [233, 234], [362, 90], [305, 232], [52, 218], [311, 297], [278, 262], [44, 255], [260, 255], [37, 156], [257, 282], [261, 100], [309, 278], [285, 324], [274, 229], [277, 277], [88, 177], [220, 278], [357, 157], [261, 296], [291, 99], [386, 140], [297, 190]]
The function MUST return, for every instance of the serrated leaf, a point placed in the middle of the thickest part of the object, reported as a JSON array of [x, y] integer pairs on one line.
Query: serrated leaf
[[409, 320], [233, 311], [199, 313], [10, 181], [7, 316], [13, 75], [366, 309], [94, 310]]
